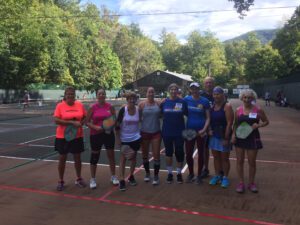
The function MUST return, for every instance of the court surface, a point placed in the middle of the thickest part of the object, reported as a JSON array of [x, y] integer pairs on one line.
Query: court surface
[[28, 177]]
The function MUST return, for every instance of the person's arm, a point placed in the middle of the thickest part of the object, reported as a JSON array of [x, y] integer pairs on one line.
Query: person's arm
[[141, 106], [264, 120], [233, 137], [59, 121], [229, 114], [118, 125], [204, 130]]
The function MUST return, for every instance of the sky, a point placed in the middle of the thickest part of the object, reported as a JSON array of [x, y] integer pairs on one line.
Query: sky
[[225, 25]]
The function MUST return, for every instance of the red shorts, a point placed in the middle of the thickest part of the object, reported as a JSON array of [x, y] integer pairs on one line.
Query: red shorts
[[150, 136]]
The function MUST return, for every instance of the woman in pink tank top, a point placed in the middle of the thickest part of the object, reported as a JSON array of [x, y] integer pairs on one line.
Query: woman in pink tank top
[[255, 117], [99, 115]]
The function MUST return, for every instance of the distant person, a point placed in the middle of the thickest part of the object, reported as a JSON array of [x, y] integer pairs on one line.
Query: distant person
[[101, 135], [246, 137], [26, 99], [151, 134], [69, 115], [129, 138], [278, 98], [198, 120], [220, 136], [267, 98], [173, 110]]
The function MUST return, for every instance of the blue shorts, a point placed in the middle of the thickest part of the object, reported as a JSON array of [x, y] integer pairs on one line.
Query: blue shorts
[[216, 144]]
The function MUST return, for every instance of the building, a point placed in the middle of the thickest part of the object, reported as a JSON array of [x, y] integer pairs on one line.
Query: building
[[160, 80]]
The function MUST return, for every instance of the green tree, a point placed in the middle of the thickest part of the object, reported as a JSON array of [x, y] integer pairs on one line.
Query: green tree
[[264, 63]]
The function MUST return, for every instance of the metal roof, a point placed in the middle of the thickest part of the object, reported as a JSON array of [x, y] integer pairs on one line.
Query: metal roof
[[180, 75]]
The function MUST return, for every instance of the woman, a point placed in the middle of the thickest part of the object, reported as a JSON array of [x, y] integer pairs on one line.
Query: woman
[[128, 136], [150, 132], [255, 117], [69, 116], [221, 115], [173, 110], [100, 135], [198, 120]]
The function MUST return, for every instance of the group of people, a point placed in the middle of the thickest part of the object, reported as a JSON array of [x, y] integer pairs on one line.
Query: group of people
[[202, 118]]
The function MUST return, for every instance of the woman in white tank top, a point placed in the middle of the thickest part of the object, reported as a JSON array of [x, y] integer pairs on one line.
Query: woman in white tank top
[[128, 137]]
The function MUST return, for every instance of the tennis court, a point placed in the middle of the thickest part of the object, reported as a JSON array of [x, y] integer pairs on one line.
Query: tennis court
[[28, 176]]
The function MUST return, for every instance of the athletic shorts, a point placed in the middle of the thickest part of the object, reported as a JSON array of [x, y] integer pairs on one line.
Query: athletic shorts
[[217, 145], [64, 147], [150, 136], [135, 145], [97, 140]]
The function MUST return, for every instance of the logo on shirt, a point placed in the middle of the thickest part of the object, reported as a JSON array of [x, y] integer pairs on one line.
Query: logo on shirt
[[200, 106], [178, 107]]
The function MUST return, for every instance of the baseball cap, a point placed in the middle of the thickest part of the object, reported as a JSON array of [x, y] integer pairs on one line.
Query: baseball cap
[[195, 84]]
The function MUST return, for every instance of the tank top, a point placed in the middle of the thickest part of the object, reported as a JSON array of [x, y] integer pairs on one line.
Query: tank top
[[150, 121], [218, 121], [130, 126], [100, 113]]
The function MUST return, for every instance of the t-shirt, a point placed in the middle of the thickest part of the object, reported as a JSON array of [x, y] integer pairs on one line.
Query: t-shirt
[[100, 113], [173, 117], [196, 112], [69, 112]]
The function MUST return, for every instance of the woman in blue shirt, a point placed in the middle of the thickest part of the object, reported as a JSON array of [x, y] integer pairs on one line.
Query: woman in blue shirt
[[198, 120], [173, 110]]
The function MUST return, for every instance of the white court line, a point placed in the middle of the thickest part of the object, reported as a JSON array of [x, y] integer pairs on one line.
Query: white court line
[[38, 139], [186, 165], [70, 162], [27, 124]]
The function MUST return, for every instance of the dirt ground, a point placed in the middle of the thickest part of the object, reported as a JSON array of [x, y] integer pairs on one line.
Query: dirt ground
[[28, 195]]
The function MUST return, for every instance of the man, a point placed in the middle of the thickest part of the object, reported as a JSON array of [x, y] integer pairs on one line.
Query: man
[[209, 84], [26, 99]]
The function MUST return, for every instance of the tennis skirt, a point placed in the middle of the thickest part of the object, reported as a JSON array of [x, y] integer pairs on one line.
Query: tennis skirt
[[216, 144]]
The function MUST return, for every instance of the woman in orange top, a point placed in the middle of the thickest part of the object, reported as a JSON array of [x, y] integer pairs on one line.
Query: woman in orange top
[[69, 116]]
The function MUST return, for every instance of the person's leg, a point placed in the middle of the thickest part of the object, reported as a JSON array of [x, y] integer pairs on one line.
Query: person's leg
[[77, 164], [61, 166], [240, 157], [189, 149], [205, 172], [179, 153], [217, 161], [168, 142], [201, 149], [133, 164], [95, 155], [225, 162], [155, 143], [145, 154], [112, 163], [252, 154]]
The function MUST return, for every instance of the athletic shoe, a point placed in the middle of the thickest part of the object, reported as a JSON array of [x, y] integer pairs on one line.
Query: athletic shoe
[[190, 179], [60, 186], [155, 180], [122, 185], [179, 178], [252, 187], [114, 180], [93, 183], [240, 188], [170, 178], [215, 180], [132, 181], [147, 177], [198, 180], [204, 173], [80, 183], [225, 182]]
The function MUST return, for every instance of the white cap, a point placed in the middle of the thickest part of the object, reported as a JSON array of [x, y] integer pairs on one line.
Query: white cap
[[195, 84]]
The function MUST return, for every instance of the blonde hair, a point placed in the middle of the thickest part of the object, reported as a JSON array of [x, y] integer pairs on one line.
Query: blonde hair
[[248, 92], [173, 85]]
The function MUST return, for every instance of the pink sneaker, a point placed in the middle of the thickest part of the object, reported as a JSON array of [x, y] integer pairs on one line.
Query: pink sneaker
[[252, 187], [240, 188]]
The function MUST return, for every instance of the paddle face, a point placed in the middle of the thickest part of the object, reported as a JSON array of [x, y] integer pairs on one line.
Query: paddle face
[[243, 130], [109, 123], [127, 152], [189, 134], [70, 132]]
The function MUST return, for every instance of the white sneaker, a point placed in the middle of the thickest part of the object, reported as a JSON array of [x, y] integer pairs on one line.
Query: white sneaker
[[114, 180], [147, 177], [93, 183]]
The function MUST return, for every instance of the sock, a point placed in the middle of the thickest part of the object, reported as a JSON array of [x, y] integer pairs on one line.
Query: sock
[[178, 170], [146, 166], [170, 169], [156, 167]]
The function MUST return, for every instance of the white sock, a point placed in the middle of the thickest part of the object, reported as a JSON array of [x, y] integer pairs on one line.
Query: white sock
[[170, 169]]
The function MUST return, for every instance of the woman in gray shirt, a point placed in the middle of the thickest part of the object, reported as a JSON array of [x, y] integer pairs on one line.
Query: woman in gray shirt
[[151, 134]]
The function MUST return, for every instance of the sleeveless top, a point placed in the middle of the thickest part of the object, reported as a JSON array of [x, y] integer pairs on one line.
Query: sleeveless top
[[218, 121], [150, 118], [253, 141], [100, 113], [129, 129]]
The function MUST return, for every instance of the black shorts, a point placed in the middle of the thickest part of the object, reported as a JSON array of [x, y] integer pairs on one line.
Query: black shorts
[[135, 145], [97, 140], [65, 147]]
